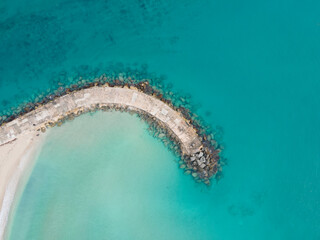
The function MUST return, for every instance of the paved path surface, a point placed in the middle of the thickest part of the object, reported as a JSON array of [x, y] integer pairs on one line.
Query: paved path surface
[[104, 96]]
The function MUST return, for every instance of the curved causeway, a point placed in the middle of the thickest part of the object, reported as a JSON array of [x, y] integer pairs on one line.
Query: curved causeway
[[100, 96]]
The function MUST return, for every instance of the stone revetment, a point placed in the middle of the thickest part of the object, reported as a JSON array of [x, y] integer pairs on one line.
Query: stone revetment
[[198, 160]]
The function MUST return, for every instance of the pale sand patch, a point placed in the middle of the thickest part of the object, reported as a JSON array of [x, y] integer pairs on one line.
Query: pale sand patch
[[14, 159]]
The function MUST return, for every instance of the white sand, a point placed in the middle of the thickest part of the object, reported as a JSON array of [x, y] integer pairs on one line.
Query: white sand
[[14, 159]]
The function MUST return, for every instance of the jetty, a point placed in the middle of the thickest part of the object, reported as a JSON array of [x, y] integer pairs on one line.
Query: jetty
[[103, 96], [199, 159]]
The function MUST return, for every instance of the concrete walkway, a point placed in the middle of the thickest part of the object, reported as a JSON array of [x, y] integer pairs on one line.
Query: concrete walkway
[[85, 99]]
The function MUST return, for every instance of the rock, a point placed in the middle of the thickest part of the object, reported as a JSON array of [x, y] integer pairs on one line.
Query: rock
[[183, 166], [202, 159], [187, 172], [192, 159], [162, 135], [194, 174], [200, 154], [52, 124]]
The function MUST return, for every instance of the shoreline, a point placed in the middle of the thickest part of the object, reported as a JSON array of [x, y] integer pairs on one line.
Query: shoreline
[[16, 157]]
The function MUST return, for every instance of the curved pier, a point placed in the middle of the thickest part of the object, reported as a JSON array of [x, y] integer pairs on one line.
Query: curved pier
[[86, 99], [198, 151]]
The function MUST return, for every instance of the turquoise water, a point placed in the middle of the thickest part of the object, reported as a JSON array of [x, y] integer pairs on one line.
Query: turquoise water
[[252, 67], [107, 183]]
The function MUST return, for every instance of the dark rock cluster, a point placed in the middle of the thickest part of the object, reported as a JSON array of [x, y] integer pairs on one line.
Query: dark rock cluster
[[202, 165]]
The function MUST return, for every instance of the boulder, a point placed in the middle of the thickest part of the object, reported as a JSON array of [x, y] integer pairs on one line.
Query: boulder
[[162, 135], [182, 166]]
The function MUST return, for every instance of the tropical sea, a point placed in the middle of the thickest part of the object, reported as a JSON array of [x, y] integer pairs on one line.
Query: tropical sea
[[251, 68]]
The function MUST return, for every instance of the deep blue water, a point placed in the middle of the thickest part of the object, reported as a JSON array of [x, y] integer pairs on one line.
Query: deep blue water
[[252, 67]]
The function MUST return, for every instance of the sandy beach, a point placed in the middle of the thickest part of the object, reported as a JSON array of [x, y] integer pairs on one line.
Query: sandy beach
[[15, 157]]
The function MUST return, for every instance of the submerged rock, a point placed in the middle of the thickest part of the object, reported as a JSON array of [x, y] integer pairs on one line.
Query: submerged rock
[[161, 135], [205, 158], [183, 166]]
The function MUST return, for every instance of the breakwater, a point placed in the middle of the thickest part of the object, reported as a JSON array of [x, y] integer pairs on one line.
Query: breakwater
[[199, 152]]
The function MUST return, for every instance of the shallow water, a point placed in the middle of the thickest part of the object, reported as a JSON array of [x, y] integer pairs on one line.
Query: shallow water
[[101, 182], [252, 66]]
